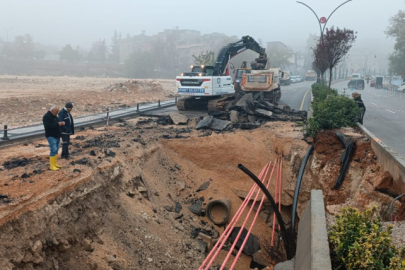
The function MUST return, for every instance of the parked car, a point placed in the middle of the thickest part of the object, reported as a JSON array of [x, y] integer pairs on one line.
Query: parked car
[[299, 78], [401, 88], [356, 84], [293, 79], [372, 83]]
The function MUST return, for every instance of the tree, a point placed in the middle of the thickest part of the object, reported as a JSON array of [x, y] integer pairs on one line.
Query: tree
[[335, 44], [207, 58], [115, 48], [280, 57], [397, 31], [139, 65], [98, 52], [320, 63], [25, 46], [69, 54]]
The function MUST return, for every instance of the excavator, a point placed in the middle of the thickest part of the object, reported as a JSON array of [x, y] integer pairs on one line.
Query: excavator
[[212, 88]]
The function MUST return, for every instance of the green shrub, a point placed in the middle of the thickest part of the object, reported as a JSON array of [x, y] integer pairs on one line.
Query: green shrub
[[359, 242], [333, 112], [321, 92]]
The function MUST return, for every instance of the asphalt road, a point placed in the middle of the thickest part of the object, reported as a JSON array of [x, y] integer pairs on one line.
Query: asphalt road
[[385, 114], [296, 95]]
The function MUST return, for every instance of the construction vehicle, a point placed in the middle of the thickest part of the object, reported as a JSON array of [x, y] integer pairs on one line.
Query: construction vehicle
[[253, 80], [310, 75], [285, 80], [211, 87]]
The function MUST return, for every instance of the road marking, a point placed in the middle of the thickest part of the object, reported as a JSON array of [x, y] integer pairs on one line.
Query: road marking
[[389, 111], [303, 100]]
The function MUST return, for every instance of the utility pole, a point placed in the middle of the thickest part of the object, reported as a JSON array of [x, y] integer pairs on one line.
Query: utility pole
[[7, 32]]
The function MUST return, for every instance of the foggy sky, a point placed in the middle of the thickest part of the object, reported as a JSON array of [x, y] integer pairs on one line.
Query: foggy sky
[[81, 22]]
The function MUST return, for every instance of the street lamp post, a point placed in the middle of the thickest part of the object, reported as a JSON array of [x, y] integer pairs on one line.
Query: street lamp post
[[366, 62], [323, 20]]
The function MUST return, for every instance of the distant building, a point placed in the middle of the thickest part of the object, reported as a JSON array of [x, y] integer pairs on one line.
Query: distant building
[[134, 44], [187, 43]]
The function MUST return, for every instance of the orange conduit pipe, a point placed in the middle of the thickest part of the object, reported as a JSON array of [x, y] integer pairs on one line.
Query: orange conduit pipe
[[221, 241], [245, 221], [274, 214], [251, 225], [288, 238]]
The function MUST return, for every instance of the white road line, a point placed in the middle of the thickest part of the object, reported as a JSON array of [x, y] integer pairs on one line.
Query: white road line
[[389, 111]]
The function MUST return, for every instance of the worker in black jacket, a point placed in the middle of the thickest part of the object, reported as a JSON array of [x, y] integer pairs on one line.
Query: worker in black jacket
[[68, 129], [52, 134], [357, 98]]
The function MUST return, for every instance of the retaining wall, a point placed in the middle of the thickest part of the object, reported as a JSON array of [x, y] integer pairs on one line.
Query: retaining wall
[[312, 242], [390, 160]]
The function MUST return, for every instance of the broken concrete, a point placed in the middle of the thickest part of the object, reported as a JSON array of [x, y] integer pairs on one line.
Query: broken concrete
[[178, 119], [220, 125], [205, 123], [264, 113]]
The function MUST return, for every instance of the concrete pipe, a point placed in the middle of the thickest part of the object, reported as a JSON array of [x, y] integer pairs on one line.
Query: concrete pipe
[[218, 211]]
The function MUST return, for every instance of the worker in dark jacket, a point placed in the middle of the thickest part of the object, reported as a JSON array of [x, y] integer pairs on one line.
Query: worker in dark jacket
[[357, 98], [68, 129], [52, 133]]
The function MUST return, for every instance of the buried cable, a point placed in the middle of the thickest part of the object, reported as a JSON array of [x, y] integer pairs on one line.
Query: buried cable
[[288, 244], [349, 145], [390, 207], [297, 187]]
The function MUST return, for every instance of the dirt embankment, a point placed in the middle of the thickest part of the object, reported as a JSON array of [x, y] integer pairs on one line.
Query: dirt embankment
[[122, 201], [25, 99]]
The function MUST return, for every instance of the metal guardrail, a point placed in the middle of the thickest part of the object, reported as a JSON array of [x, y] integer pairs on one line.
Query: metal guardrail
[[36, 130]]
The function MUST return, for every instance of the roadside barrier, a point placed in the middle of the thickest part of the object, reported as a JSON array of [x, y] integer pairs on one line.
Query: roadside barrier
[[30, 131], [5, 137]]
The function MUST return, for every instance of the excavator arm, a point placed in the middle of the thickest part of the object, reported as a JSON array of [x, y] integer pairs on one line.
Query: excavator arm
[[232, 49]]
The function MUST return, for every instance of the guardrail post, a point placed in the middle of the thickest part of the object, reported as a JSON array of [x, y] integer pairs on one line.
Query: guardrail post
[[108, 115], [5, 137], [159, 103], [137, 107]]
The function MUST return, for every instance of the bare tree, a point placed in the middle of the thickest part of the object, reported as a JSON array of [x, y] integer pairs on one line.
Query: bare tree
[[334, 45], [207, 58]]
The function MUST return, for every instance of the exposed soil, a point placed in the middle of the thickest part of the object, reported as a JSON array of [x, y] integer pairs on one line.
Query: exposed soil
[[124, 199], [25, 99]]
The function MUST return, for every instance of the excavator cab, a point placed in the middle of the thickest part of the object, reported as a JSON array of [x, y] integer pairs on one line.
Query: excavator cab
[[200, 70]]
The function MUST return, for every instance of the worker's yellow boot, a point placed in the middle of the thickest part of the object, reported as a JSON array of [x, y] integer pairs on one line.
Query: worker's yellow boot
[[52, 162], [56, 162]]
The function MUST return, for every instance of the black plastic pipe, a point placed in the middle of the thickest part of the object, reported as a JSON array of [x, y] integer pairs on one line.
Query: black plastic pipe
[[297, 187], [290, 249], [390, 207]]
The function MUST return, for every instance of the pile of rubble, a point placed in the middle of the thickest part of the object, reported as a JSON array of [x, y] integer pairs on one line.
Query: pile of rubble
[[247, 112]]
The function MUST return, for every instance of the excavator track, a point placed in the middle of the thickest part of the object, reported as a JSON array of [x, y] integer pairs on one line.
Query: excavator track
[[220, 104], [191, 103]]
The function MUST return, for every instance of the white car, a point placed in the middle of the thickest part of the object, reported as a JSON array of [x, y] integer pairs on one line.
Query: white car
[[401, 88]]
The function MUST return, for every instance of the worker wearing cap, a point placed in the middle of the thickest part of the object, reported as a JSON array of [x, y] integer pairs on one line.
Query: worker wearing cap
[[68, 129]]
